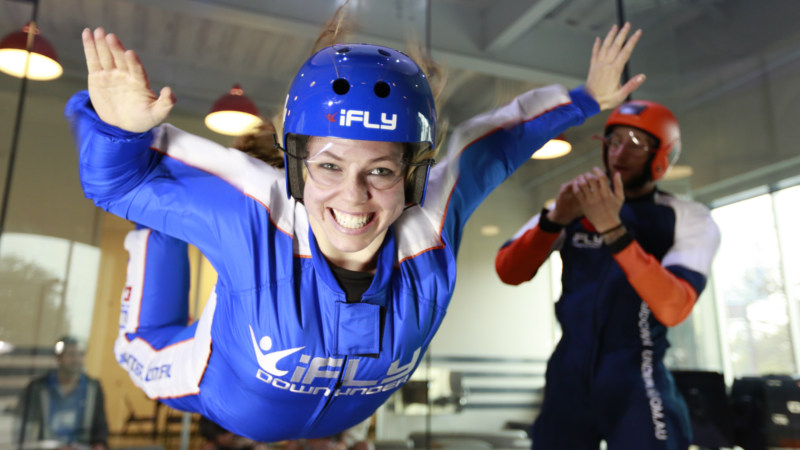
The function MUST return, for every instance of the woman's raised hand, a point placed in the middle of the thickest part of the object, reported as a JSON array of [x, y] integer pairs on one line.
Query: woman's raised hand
[[605, 68], [118, 85]]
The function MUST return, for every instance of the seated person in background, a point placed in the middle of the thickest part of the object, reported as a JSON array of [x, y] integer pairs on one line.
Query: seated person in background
[[353, 438], [65, 404], [218, 438]]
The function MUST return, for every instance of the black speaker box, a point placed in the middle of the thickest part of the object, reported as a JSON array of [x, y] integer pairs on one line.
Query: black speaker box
[[766, 411], [706, 396]]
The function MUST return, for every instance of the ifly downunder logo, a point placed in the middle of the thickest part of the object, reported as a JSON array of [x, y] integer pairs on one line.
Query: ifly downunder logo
[[311, 368]]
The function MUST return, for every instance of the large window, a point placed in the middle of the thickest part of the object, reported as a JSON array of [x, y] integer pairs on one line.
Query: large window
[[755, 280]]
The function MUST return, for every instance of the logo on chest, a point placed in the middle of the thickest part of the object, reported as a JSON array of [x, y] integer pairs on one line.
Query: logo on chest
[[582, 239], [311, 369]]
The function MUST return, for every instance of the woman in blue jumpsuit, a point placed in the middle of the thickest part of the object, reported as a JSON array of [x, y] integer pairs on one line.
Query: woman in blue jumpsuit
[[333, 277]]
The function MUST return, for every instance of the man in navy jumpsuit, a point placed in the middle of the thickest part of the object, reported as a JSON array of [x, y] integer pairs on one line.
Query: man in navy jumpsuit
[[634, 261]]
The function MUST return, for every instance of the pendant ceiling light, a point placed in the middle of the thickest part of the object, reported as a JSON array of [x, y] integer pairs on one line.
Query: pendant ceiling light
[[554, 148], [43, 62], [678, 172], [233, 114]]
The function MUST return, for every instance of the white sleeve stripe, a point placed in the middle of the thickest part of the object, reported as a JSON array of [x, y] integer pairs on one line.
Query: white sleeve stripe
[[415, 240], [696, 238], [254, 178], [173, 371], [131, 298]]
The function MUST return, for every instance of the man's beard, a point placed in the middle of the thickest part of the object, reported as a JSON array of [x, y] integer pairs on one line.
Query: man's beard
[[638, 181]]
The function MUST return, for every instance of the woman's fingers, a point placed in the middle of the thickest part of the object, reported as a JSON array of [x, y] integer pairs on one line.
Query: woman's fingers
[[117, 52], [163, 105], [89, 51], [624, 53], [616, 46], [630, 86], [619, 39], [595, 49], [606, 66], [103, 52], [135, 68], [608, 40]]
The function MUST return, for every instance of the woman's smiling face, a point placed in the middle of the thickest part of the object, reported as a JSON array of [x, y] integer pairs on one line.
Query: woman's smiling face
[[353, 192]]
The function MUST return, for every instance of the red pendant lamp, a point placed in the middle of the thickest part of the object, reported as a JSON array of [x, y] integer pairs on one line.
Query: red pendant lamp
[[42, 64], [233, 114], [554, 148]]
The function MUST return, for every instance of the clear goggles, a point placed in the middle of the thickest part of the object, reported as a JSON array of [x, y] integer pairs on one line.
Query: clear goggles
[[629, 140], [381, 165], [330, 172]]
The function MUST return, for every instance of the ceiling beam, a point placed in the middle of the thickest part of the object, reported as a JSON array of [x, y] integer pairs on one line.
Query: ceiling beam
[[504, 70], [251, 18], [521, 23]]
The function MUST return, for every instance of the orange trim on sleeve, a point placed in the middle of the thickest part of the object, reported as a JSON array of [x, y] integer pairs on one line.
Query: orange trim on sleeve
[[520, 260], [669, 297]]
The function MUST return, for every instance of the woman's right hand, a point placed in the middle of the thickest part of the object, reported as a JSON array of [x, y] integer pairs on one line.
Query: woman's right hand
[[118, 85]]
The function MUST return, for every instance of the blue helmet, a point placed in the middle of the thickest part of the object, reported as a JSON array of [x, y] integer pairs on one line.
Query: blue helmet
[[363, 92]]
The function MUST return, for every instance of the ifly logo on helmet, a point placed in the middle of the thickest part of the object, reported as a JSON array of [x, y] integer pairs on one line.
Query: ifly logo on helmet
[[349, 117]]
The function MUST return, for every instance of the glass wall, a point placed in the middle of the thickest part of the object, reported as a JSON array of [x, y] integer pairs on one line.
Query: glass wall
[[759, 297]]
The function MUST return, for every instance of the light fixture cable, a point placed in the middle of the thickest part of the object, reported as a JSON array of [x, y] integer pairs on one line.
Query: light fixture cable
[[23, 90]]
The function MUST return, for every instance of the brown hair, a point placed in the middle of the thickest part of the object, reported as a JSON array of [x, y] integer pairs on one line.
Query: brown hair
[[437, 78], [260, 144]]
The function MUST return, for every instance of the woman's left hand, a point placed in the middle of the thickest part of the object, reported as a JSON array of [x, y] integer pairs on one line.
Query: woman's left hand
[[605, 68]]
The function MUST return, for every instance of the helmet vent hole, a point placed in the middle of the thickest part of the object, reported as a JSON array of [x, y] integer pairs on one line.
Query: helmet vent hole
[[341, 86], [382, 89], [384, 52], [342, 50]]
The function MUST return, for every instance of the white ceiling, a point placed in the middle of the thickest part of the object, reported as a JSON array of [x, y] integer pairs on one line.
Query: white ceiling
[[493, 48]]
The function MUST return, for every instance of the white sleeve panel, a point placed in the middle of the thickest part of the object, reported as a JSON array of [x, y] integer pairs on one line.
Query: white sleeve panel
[[253, 177], [697, 236], [445, 174]]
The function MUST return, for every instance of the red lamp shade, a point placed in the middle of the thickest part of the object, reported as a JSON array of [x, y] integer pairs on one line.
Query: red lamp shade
[[554, 148], [233, 114], [43, 63]]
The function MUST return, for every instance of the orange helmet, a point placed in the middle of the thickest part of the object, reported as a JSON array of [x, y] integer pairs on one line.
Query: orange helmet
[[656, 120]]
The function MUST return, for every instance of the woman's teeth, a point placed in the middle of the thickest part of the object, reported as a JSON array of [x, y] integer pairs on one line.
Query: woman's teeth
[[351, 220]]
